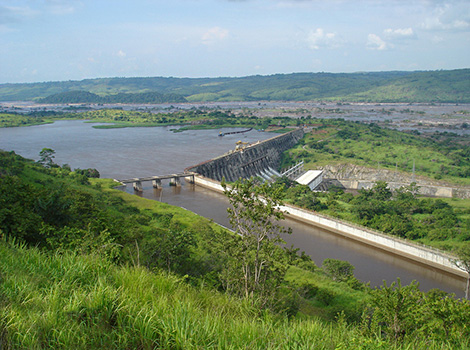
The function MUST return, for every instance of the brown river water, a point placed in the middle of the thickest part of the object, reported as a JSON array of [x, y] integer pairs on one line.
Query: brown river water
[[139, 152]]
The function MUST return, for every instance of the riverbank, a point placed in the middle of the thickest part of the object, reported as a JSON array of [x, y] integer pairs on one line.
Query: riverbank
[[430, 257]]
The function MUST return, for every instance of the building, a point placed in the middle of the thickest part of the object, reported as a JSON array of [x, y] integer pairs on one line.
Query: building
[[312, 178]]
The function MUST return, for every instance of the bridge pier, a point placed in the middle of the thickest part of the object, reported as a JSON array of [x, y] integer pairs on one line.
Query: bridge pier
[[138, 186], [175, 181], [190, 179]]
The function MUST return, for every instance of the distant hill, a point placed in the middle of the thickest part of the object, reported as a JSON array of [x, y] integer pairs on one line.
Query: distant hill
[[432, 86], [89, 97]]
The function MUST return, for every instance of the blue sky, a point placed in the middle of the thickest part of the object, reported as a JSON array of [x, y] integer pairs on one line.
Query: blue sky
[[49, 40]]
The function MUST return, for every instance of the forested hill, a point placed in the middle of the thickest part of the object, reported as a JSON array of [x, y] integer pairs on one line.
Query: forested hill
[[430, 86], [89, 97]]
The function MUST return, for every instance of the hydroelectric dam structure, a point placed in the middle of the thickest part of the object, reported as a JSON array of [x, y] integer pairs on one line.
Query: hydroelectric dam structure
[[259, 159], [262, 159]]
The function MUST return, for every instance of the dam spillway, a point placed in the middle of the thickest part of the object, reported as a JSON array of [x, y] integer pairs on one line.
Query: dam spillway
[[249, 161]]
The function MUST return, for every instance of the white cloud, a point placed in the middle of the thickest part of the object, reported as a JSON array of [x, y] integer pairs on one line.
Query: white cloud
[[318, 39], [401, 33], [10, 14], [19, 13], [214, 35], [317, 62], [449, 16], [121, 53], [63, 7], [374, 42]]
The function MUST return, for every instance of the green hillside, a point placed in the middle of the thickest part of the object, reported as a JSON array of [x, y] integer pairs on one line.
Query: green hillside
[[432, 86], [77, 96], [84, 266], [441, 86]]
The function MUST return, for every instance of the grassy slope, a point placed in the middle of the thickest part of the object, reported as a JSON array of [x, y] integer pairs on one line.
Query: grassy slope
[[65, 301]]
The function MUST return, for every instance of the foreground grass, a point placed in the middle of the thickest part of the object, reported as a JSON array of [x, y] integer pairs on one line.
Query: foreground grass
[[183, 216], [65, 301]]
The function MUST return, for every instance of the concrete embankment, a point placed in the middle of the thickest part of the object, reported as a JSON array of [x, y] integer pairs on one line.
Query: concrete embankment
[[409, 250]]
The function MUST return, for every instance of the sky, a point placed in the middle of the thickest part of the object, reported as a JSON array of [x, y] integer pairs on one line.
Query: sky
[[57, 40]]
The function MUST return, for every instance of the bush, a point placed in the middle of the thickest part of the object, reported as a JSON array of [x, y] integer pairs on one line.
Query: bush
[[325, 296], [338, 270]]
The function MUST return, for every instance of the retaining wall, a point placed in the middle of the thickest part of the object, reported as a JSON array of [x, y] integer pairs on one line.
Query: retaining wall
[[356, 177], [424, 255]]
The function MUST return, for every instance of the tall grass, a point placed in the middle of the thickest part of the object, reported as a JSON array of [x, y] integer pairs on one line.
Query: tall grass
[[69, 301]]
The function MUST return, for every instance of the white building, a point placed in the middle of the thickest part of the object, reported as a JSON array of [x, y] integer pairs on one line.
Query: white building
[[312, 178]]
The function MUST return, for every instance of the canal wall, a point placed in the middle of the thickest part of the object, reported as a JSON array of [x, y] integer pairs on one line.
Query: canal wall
[[249, 161], [425, 255], [358, 177]]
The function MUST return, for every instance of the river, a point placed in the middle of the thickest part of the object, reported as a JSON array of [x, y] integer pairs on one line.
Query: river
[[139, 152]]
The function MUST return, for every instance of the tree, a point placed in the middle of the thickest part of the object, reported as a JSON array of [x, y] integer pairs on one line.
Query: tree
[[339, 270], [46, 157], [258, 263], [395, 307], [463, 263], [173, 250], [381, 191], [401, 312]]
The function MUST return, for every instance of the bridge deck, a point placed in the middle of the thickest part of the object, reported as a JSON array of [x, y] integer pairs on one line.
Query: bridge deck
[[160, 177]]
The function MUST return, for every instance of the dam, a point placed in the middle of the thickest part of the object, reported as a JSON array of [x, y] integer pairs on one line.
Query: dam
[[252, 160]]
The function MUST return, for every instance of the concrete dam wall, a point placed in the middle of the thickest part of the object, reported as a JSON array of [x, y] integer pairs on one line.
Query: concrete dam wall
[[249, 161]]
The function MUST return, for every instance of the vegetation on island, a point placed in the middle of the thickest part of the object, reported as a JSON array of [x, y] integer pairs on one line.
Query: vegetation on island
[[195, 118], [85, 266], [451, 86]]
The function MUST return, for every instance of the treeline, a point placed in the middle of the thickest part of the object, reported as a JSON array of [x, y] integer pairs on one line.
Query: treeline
[[88, 97], [451, 86], [201, 118]]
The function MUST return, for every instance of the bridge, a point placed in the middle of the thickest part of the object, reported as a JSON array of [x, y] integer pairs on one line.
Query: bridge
[[256, 160], [157, 180]]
